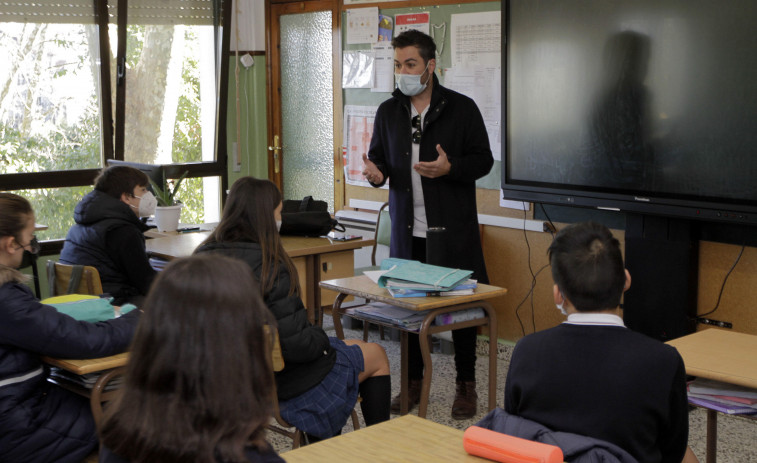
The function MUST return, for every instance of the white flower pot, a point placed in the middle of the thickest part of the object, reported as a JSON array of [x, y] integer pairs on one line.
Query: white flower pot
[[167, 217]]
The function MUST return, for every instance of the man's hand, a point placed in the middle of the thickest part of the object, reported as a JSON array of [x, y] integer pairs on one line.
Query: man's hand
[[436, 168], [371, 172]]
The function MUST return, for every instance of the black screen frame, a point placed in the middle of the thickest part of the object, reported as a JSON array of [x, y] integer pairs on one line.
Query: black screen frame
[[710, 209]]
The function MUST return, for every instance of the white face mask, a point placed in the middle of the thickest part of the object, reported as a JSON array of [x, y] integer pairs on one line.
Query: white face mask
[[410, 84], [147, 204], [278, 225], [561, 306]]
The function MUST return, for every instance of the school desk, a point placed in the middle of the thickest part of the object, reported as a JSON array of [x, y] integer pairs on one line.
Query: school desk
[[404, 439], [721, 355], [316, 259], [362, 286]]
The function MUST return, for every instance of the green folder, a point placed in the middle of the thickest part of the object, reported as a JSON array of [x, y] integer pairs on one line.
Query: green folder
[[411, 274]]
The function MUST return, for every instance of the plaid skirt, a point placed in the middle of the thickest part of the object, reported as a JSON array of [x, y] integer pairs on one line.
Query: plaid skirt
[[322, 411]]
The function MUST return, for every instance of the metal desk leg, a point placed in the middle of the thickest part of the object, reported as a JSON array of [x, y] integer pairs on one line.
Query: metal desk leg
[[404, 383], [336, 314], [712, 436], [425, 342], [492, 354]]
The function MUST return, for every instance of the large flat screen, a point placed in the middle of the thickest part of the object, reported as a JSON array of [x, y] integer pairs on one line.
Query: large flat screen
[[637, 105]]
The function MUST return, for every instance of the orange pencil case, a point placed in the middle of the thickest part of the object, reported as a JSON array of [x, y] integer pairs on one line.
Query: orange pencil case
[[496, 446]]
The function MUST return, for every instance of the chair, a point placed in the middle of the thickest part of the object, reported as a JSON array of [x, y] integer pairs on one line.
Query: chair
[[281, 426], [382, 237], [73, 279]]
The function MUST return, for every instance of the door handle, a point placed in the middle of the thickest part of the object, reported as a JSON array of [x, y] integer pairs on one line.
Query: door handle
[[276, 154]]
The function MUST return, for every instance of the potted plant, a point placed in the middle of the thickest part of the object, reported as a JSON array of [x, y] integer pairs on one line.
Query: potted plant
[[169, 208]]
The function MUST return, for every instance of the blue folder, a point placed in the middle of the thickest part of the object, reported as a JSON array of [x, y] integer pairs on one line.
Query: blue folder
[[412, 274]]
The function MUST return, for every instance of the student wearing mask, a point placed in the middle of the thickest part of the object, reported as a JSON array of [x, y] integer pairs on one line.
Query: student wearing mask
[[39, 421], [199, 382], [591, 375], [319, 385], [108, 233]]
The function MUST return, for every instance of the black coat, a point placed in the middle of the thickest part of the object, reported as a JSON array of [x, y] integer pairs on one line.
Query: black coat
[[454, 122], [40, 422], [109, 236], [308, 356]]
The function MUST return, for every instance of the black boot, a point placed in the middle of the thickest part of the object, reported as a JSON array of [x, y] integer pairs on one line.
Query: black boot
[[376, 393]]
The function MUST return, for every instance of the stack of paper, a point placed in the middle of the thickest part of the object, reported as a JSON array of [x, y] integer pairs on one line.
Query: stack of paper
[[405, 318], [723, 397], [414, 275], [401, 289]]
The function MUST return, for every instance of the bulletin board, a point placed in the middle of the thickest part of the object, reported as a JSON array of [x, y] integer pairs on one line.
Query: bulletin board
[[440, 29]]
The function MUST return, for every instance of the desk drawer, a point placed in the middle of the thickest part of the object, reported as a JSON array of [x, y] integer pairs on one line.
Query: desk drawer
[[335, 265]]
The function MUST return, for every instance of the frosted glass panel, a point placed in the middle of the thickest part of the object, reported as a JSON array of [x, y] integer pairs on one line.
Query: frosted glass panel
[[307, 101]]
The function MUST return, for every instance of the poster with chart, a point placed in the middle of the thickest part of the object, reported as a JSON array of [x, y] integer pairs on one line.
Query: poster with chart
[[358, 130], [475, 39]]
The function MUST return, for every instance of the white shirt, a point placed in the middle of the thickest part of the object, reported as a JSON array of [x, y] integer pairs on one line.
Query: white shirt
[[420, 224], [597, 319]]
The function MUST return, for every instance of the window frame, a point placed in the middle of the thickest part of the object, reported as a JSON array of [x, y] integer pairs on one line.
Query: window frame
[[113, 131]]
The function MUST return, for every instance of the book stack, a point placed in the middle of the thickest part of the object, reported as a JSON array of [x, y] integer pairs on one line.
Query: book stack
[[404, 318], [410, 278], [723, 397]]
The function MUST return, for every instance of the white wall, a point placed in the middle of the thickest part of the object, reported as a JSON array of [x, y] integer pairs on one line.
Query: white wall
[[250, 15]]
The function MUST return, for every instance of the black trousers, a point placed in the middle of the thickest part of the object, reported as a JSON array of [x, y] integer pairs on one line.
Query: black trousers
[[464, 339]]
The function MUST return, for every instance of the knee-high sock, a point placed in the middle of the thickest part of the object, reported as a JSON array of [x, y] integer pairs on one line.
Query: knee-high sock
[[376, 393]]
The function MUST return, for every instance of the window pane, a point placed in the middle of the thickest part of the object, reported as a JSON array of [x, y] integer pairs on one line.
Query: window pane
[[54, 207], [201, 200], [49, 104], [170, 93]]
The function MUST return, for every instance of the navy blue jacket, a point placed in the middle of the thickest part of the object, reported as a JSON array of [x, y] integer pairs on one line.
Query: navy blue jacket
[[607, 382], [308, 355], [575, 447], [40, 422], [109, 236], [454, 122]]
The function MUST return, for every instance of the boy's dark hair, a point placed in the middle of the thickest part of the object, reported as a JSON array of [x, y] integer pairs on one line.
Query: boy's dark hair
[[412, 38], [587, 266], [116, 180]]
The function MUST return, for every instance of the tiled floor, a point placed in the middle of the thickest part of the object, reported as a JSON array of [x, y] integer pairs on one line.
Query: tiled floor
[[737, 437]]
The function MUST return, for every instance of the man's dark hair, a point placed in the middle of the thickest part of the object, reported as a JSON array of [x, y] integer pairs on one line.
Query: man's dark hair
[[116, 180], [412, 38], [587, 266]]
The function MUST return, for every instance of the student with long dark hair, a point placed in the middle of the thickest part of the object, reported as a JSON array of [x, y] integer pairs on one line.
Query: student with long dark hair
[[199, 382], [39, 421], [319, 385]]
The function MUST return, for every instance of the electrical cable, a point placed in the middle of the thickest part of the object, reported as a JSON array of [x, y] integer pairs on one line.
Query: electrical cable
[[530, 292], [722, 287]]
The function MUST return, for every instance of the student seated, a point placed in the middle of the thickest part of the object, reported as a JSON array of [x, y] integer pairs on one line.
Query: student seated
[[41, 422], [108, 234], [591, 375], [199, 381], [318, 387]]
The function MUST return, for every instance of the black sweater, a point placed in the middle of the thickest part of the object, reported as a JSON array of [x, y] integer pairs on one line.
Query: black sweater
[[606, 382], [308, 355]]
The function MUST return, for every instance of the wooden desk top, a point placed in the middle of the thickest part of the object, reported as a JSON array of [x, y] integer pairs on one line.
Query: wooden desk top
[[184, 244], [404, 439], [84, 366], [721, 355], [364, 287]]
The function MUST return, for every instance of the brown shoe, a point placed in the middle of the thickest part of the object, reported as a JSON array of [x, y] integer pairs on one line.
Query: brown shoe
[[413, 395], [465, 404]]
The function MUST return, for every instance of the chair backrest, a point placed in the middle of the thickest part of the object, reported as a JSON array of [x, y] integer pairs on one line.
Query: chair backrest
[[383, 233], [73, 279]]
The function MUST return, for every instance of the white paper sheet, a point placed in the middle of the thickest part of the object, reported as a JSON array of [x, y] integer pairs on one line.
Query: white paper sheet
[[408, 21], [357, 69], [383, 67], [362, 25], [476, 39], [484, 86]]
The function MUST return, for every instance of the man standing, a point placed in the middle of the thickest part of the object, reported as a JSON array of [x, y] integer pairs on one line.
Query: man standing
[[432, 143]]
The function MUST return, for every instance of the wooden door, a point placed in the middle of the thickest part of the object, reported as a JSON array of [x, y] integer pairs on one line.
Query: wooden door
[[304, 129]]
